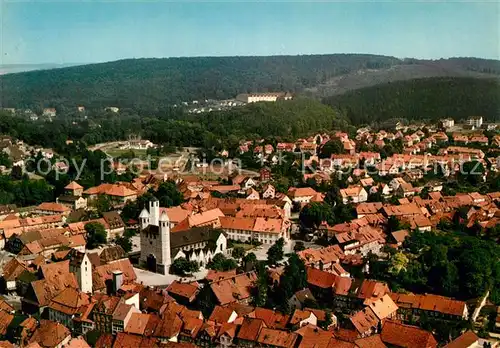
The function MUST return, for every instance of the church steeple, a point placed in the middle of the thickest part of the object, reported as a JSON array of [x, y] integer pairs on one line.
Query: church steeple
[[144, 218], [154, 211], [164, 227]]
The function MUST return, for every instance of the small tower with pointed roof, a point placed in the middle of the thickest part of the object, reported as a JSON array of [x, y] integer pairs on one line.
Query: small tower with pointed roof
[[74, 189], [144, 218]]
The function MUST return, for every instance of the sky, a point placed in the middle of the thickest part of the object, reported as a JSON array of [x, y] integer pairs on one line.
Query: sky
[[40, 31]]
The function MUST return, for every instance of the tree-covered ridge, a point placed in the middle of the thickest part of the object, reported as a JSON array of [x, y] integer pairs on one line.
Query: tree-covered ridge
[[293, 118], [284, 119], [421, 99], [150, 84]]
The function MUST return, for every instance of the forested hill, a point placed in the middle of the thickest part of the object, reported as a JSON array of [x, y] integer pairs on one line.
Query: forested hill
[[152, 84], [156, 83], [421, 99]]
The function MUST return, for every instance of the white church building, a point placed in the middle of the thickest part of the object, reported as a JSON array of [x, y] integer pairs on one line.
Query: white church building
[[159, 247]]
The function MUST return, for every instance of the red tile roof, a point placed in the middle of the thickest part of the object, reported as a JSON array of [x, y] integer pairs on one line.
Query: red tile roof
[[221, 314], [320, 278], [50, 334], [277, 338], [137, 323], [250, 329], [234, 289], [5, 320], [463, 341], [314, 337], [185, 290], [373, 341], [430, 302], [407, 336]]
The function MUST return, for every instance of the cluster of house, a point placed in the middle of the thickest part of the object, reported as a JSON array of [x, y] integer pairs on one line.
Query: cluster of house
[[79, 292], [136, 144], [50, 113], [209, 105], [18, 151], [415, 158]]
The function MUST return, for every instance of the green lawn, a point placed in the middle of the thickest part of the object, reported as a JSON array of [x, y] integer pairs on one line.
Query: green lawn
[[115, 152], [247, 247]]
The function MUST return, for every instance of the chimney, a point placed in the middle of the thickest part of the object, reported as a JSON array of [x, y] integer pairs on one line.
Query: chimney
[[117, 280]]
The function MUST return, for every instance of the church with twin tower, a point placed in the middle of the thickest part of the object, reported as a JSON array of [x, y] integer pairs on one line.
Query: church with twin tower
[[155, 238], [160, 247]]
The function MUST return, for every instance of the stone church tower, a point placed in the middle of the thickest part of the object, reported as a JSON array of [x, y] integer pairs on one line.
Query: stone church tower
[[81, 266], [155, 238]]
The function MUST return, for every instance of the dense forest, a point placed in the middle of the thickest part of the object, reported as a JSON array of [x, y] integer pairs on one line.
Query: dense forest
[[149, 84], [284, 119], [421, 99]]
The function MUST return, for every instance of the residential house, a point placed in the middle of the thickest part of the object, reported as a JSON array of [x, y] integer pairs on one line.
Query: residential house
[[447, 122], [115, 224], [411, 307], [268, 191], [72, 202], [235, 289], [50, 208], [265, 230], [277, 338], [64, 306], [304, 195], [49, 112], [354, 194], [395, 334], [249, 332], [475, 121], [51, 334], [301, 299], [301, 318]]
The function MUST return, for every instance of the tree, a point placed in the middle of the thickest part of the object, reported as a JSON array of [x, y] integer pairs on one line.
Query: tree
[[299, 246], [313, 214], [332, 147], [168, 194], [222, 263], [4, 160], [249, 261], [96, 235], [471, 172], [182, 266], [260, 291], [238, 252], [102, 204], [398, 263], [275, 252], [328, 320], [294, 277], [393, 224], [16, 173], [124, 242]]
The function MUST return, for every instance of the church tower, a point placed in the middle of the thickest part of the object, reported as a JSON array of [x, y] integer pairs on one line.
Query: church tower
[[154, 211], [164, 231], [84, 274]]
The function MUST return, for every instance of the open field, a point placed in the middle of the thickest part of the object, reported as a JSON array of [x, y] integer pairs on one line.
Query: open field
[[117, 152], [247, 247]]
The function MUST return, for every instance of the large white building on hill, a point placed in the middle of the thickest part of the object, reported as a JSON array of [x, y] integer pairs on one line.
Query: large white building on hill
[[160, 246]]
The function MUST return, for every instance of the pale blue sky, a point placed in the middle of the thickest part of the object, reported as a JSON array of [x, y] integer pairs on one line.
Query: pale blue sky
[[94, 31]]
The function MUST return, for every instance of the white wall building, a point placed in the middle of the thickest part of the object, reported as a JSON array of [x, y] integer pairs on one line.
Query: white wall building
[[159, 247]]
